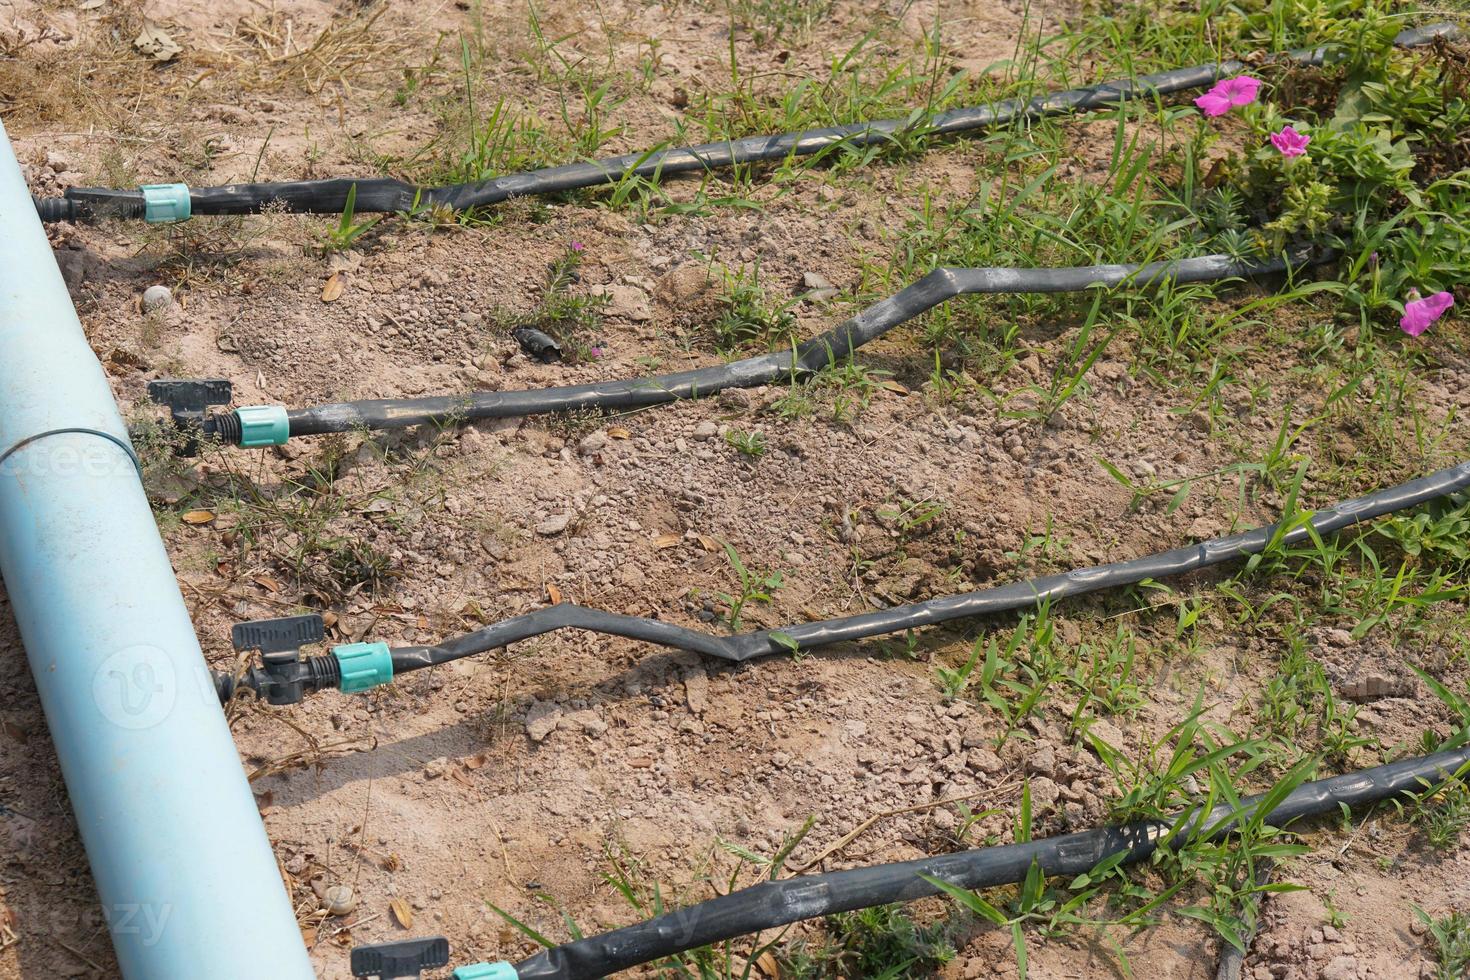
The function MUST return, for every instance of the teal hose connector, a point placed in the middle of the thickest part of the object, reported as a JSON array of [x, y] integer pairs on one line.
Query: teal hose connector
[[164, 203], [486, 971], [363, 666], [263, 425]]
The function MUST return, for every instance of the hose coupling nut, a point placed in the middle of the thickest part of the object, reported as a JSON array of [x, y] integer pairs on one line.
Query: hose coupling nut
[[165, 203], [363, 666], [486, 971], [263, 425]]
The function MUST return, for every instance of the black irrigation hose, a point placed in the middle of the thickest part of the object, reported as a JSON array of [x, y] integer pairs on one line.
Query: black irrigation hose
[[388, 195], [813, 355], [1232, 958], [1004, 598], [777, 903]]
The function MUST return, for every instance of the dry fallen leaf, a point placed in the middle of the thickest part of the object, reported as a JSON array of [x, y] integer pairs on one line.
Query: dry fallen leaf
[[198, 517], [664, 541], [474, 762], [553, 593], [267, 583], [402, 914], [125, 358], [767, 964], [708, 543], [895, 387], [333, 288], [156, 43], [618, 432]]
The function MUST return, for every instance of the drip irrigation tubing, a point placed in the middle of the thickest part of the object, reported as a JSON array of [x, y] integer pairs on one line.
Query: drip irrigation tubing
[[1004, 598], [1232, 957], [806, 358], [383, 195], [777, 903]]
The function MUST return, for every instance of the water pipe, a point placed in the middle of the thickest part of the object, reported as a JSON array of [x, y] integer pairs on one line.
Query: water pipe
[[177, 202], [776, 903], [362, 666], [187, 879], [255, 426]]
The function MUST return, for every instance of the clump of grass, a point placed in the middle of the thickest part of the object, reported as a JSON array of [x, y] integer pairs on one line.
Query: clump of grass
[[1451, 936], [772, 20], [847, 387], [752, 444], [756, 585], [305, 527], [345, 233], [1443, 813], [568, 315], [881, 942], [749, 315]]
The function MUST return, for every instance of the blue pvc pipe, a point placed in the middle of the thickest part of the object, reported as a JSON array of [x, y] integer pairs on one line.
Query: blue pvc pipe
[[187, 879]]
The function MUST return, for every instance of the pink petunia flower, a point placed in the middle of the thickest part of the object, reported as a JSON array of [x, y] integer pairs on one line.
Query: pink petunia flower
[[1212, 104], [1227, 94], [1290, 143], [1419, 314]]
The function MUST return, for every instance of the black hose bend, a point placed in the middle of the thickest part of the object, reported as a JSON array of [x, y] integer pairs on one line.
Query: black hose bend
[[937, 287], [381, 194], [777, 903], [1004, 598]]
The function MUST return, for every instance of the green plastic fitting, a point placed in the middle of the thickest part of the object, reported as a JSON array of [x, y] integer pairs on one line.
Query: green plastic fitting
[[263, 425], [164, 203], [363, 666], [486, 971]]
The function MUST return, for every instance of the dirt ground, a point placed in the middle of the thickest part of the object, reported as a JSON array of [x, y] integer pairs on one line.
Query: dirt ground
[[528, 773]]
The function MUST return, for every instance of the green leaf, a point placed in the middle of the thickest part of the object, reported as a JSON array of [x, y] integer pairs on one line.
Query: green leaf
[[524, 929], [1116, 474], [1018, 940], [1178, 498], [969, 900], [1023, 819]]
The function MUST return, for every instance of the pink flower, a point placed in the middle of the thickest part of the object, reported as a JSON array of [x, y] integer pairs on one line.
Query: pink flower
[[578, 247], [1290, 142], [1227, 94], [1420, 313]]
